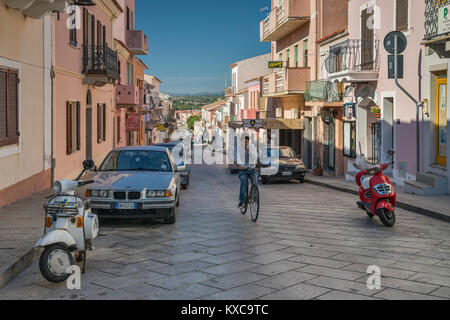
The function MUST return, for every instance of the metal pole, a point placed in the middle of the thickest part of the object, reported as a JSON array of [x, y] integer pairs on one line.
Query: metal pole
[[418, 104]]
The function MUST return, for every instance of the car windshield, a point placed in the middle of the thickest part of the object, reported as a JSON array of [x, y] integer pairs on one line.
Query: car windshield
[[281, 153], [134, 160]]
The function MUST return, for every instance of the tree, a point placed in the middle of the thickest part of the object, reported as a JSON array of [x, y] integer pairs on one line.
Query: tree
[[192, 120]]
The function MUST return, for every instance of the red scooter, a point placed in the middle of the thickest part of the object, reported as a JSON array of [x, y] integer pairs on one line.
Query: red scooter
[[377, 194]]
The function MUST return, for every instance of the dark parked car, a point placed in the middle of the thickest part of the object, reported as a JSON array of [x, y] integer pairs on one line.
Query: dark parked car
[[291, 166], [181, 158]]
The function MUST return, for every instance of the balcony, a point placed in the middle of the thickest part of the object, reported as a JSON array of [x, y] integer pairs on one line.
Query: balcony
[[437, 33], [37, 9], [127, 95], [137, 42], [284, 19], [354, 61], [100, 65], [287, 81], [324, 91], [250, 114]]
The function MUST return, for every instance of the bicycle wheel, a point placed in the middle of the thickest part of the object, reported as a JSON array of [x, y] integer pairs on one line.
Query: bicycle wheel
[[254, 203]]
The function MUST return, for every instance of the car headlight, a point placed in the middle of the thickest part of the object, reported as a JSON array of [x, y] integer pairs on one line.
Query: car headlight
[[97, 193], [159, 194], [300, 166]]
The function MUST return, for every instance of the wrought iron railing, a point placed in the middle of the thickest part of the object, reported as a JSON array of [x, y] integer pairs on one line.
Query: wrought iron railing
[[432, 8], [353, 55], [100, 60], [322, 90]]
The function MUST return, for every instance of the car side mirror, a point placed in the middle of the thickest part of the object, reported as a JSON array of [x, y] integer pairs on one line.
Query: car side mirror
[[89, 165]]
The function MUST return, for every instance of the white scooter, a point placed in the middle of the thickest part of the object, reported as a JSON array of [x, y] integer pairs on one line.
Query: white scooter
[[70, 227]]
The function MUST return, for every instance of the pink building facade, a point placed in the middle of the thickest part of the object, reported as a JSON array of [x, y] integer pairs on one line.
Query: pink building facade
[[86, 71], [378, 113]]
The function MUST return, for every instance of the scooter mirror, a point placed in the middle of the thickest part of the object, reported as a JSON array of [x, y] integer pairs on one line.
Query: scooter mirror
[[88, 165]]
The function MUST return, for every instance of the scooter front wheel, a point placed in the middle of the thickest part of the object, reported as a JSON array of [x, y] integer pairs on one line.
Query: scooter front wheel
[[54, 262], [387, 217]]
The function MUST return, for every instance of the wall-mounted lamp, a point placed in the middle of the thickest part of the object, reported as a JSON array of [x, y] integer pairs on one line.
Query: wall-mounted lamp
[[84, 3]]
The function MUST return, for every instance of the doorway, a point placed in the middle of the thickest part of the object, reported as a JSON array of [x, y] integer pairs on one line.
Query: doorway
[[441, 122], [387, 129]]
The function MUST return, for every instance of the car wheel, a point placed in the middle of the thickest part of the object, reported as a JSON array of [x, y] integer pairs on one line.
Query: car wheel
[[171, 216], [302, 180]]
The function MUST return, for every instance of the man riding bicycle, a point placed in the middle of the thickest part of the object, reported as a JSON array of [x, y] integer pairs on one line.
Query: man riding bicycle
[[246, 160]]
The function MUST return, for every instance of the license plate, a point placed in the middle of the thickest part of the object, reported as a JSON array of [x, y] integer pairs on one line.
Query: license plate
[[126, 206], [287, 173]]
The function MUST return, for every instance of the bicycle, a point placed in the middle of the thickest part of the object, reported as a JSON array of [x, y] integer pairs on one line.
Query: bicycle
[[252, 197]]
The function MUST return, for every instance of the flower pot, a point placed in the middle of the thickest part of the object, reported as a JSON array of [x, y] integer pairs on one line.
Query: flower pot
[[378, 115], [318, 172]]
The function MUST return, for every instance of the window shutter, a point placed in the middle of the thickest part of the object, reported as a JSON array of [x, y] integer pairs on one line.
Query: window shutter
[[68, 128], [401, 15], [99, 36], [104, 122], [118, 129], [78, 123], [3, 106], [93, 30], [104, 36], [85, 26], [13, 119], [99, 123]]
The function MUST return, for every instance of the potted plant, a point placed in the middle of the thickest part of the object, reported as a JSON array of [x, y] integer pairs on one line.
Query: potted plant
[[318, 171], [376, 110]]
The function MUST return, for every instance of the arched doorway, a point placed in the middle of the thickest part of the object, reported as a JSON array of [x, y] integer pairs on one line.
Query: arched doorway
[[369, 131]]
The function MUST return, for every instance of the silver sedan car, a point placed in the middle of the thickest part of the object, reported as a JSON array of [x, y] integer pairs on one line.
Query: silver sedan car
[[136, 182]]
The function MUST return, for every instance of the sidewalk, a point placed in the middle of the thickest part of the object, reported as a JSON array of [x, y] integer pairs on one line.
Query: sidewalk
[[434, 206], [21, 225]]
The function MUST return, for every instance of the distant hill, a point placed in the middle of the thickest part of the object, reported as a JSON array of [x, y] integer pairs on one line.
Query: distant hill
[[197, 94], [194, 102]]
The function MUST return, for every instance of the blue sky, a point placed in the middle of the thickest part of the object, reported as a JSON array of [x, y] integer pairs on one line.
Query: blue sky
[[193, 43]]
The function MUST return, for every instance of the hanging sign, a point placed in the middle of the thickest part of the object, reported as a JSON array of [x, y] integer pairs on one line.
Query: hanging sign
[[134, 122]]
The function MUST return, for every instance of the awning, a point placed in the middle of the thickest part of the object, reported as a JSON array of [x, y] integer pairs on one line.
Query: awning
[[235, 124], [283, 124]]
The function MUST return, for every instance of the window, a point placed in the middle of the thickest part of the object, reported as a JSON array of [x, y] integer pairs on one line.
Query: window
[[73, 25], [128, 19], [305, 53], [288, 54], [101, 122], [349, 139], [296, 55], [128, 73], [9, 106], [401, 15], [73, 134]]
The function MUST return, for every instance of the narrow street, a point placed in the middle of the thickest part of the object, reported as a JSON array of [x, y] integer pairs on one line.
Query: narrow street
[[309, 243]]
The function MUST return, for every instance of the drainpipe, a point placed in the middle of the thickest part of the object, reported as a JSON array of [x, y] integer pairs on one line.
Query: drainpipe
[[418, 104]]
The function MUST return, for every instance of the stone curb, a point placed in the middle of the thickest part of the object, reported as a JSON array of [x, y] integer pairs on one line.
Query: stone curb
[[9, 273], [402, 205]]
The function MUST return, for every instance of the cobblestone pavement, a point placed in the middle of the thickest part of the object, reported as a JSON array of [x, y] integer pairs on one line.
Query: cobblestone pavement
[[309, 243]]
